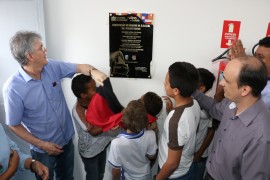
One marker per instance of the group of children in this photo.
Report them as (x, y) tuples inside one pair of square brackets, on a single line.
[(182, 147)]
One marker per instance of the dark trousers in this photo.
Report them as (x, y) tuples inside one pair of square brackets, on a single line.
[(208, 177), (62, 165), (199, 168), (187, 176), (95, 166)]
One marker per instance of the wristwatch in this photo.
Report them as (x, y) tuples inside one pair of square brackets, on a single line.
[(11, 152), (33, 161)]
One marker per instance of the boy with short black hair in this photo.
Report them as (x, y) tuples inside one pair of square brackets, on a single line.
[(133, 150), (177, 142), (205, 130)]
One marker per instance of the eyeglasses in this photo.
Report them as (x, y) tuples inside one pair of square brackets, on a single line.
[(42, 48), (253, 49)]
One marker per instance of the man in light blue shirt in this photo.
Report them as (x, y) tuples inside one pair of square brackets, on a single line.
[(12, 159), (263, 52), (35, 105)]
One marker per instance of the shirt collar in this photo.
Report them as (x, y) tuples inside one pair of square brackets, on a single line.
[(251, 113), (25, 76), (131, 136), (185, 105)]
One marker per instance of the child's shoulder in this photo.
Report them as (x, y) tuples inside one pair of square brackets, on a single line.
[(149, 132)]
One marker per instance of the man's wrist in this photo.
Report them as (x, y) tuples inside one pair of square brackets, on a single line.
[(91, 69), (11, 153), (32, 165)]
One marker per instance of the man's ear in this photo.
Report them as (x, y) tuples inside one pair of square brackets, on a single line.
[(29, 57), (246, 90), (201, 88)]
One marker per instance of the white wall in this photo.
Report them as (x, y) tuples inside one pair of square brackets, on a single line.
[(78, 31)]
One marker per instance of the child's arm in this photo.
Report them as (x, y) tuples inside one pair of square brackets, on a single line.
[(169, 104), (103, 105), (116, 173), (79, 116), (152, 126), (173, 160), (93, 130), (152, 157), (114, 159), (107, 92), (207, 140), (219, 95)]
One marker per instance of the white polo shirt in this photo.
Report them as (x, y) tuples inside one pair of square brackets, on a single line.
[(204, 123), (128, 152), (180, 130)]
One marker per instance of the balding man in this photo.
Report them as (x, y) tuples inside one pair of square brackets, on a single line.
[(242, 143)]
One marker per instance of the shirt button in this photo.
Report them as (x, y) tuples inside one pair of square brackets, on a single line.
[(225, 129), (219, 140), (209, 161)]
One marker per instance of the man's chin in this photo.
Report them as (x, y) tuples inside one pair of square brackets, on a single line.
[(227, 97)]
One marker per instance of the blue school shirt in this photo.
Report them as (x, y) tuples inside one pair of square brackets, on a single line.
[(40, 105), (5, 148)]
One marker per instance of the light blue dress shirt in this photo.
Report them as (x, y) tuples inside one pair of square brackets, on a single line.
[(266, 94), (6, 145), (40, 105)]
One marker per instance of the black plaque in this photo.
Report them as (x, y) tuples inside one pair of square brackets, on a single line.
[(131, 44)]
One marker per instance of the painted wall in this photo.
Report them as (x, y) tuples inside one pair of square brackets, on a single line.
[(78, 31)]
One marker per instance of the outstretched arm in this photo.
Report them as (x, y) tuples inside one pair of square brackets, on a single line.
[(87, 69), (107, 92)]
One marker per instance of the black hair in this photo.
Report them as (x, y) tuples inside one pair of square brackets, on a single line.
[(79, 84), (206, 78), (265, 42), (152, 103), (183, 76), (253, 74)]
